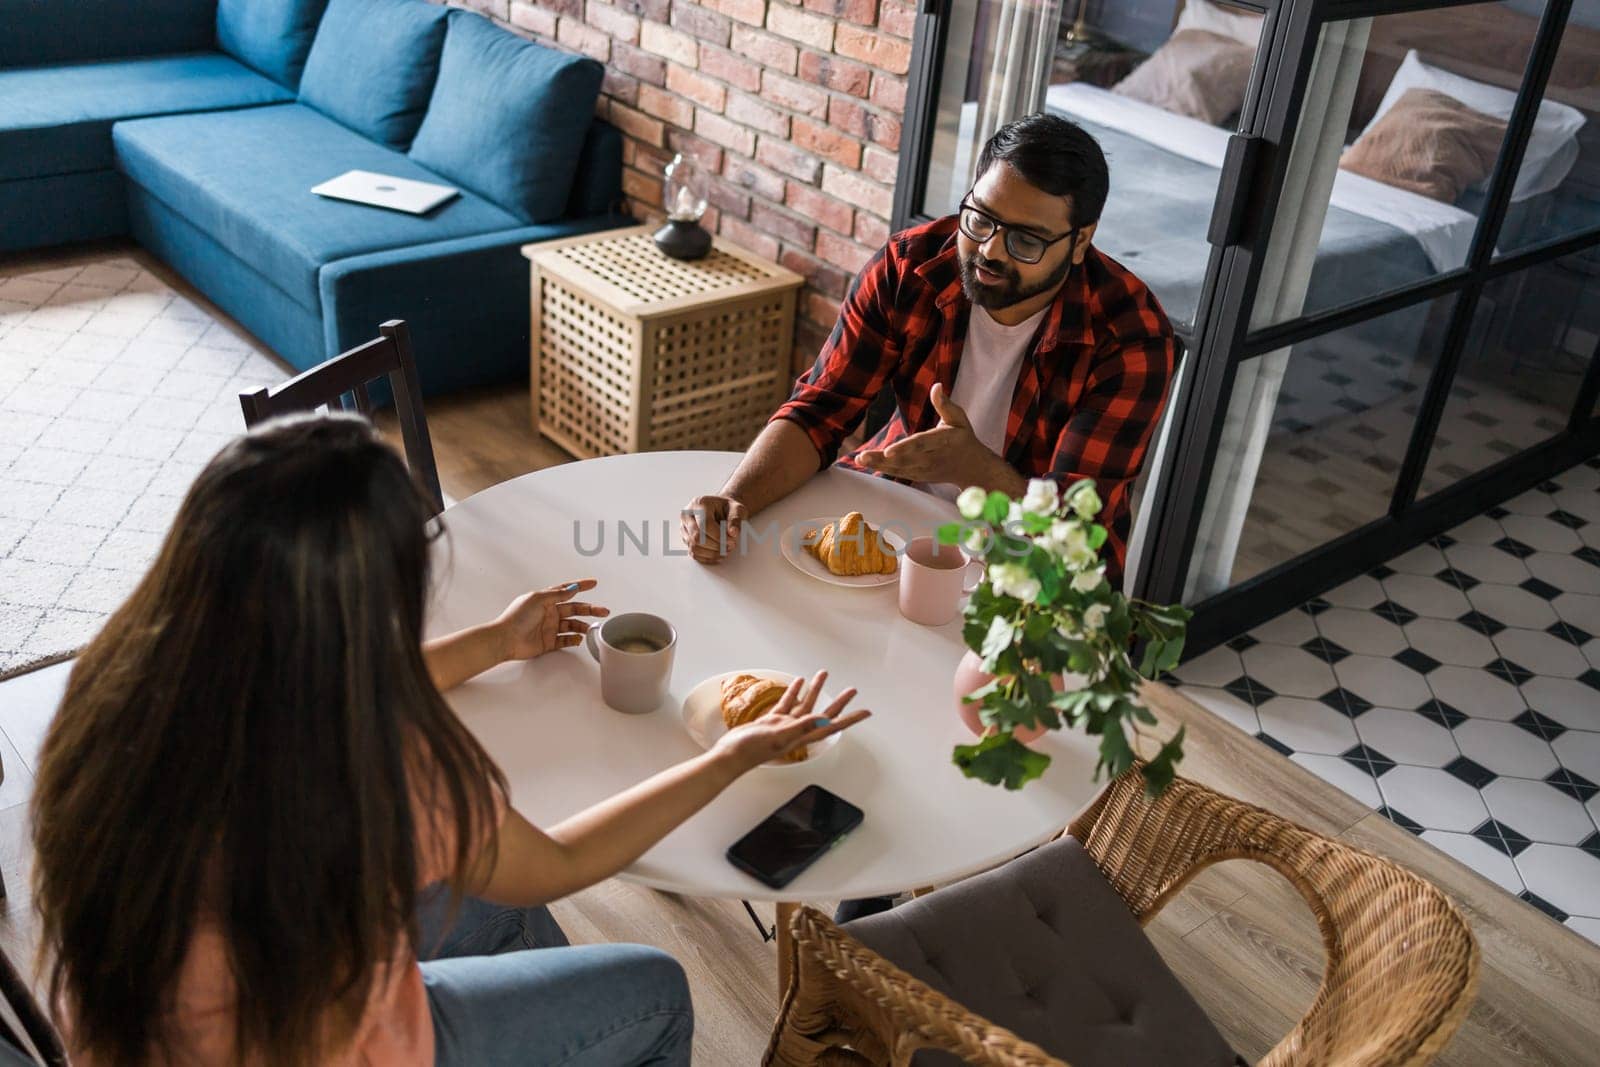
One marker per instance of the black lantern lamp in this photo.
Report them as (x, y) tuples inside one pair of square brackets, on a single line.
[(683, 237)]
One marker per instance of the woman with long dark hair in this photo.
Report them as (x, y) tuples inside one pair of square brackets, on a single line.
[(253, 779)]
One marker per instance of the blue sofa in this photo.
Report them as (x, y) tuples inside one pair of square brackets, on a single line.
[(200, 126)]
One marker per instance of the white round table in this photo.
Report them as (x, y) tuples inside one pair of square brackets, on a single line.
[(563, 749)]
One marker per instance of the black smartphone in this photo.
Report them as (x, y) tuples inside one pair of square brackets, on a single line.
[(793, 837)]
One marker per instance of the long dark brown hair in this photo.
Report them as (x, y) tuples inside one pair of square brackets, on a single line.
[(242, 742)]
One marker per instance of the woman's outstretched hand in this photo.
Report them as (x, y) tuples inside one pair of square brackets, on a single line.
[(793, 722), (547, 619)]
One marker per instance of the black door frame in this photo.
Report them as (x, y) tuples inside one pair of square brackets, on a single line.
[(1248, 196)]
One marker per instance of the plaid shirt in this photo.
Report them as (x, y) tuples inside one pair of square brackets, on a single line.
[(1086, 401)]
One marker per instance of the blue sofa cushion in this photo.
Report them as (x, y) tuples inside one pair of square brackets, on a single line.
[(508, 118), (272, 36), (57, 120), (34, 33), (373, 65), (244, 179)]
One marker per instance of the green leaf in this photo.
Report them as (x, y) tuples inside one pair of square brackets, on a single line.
[(995, 508), (1152, 655), (1116, 756), (983, 691), (949, 533), (998, 639), (1036, 524), (1097, 536), (1000, 759), (1160, 771), (1171, 652), (1049, 587)]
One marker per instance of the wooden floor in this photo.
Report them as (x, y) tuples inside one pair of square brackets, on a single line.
[(1239, 937)]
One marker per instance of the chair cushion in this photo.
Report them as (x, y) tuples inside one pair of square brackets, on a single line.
[(373, 65), (1045, 947), (36, 32), (244, 179), (508, 118), (57, 120), (272, 36)]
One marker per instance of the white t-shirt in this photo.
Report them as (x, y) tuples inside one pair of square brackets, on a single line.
[(987, 378)]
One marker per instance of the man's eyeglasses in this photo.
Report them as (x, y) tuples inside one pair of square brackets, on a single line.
[(1024, 246)]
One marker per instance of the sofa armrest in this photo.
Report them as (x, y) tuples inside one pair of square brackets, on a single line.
[(597, 183), (465, 300)]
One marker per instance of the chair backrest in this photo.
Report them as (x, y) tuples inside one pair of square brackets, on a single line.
[(328, 384), (26, 1036)]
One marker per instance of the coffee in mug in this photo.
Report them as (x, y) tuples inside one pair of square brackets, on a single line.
[(635, 653)]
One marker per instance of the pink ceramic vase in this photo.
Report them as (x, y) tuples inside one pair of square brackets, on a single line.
[(969, 676)]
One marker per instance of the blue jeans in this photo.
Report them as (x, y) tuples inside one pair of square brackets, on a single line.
[(496, 1003)]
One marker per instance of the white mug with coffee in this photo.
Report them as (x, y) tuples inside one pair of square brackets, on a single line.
[(635, 652), (933, 579)]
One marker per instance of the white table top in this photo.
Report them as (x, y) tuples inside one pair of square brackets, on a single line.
[(562, 749)]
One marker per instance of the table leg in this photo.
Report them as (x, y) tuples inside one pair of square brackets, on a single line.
[(785, 912)]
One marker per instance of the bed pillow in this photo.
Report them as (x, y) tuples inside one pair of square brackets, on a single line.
[(1429, 143), (1552, 147), (1242, 26), (1196, 73)]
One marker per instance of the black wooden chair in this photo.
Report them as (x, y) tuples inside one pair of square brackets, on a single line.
[(26, 1036), (347, 374)]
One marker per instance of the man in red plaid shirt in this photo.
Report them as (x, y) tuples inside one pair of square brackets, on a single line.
[(1013, 347)]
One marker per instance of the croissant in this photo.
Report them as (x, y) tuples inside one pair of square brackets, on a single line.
[(745, 698), (851, 546)]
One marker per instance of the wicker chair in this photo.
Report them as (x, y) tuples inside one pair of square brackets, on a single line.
[(1401, 970)]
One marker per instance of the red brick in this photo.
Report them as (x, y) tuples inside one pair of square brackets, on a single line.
[(739, 73), (498, 9), (620, 86), (820, 309), (586, 39), (747, 111), (701, 22), (748, 238), (697, 87), (871, 230), (823, 277), (856, 120), (827, 143), (569, 8), (840, 75), (889, 93), (670, 44), (874, 49), (630, 150), (853, 188), (642, 65), (533, 18), (671, 109), (786, 159), (897, 18), (642, 186), (862, 11), (763, 183), (765, 49), (619, 25), (808, 341), (753, 12), (652, 10), (880, 166), (711, 219), (798, 25), (784, 225), (636, 123), (729, 135), (651, 160), (842, 252), (729, 199), (795, 95), (705, 154), (834, 214)]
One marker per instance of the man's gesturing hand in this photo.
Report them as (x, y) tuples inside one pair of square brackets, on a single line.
[(950, 452), (711, 526)]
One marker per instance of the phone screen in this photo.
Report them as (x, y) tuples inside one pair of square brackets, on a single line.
[(791, 838)]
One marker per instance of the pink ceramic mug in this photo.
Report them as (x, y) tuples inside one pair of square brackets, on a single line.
[(933, 579)]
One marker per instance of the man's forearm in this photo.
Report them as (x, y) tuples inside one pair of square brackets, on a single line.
[(1000, 476), (778, 462)]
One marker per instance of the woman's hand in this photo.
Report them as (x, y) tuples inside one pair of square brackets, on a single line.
[(793, 722), (546, 619)]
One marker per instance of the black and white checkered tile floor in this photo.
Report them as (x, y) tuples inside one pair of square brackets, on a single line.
[(1455, 689)]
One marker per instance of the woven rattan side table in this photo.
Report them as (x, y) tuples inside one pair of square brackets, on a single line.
[(632, 351)]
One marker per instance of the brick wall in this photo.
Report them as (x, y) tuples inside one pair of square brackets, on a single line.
[(791, 109)]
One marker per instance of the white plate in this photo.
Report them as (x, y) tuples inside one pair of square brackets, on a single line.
[(702, 717), (810, 565)]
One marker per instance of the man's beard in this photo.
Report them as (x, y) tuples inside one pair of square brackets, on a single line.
[(1010, 290)]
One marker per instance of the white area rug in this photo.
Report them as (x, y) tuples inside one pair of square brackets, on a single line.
[(114, 391)]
